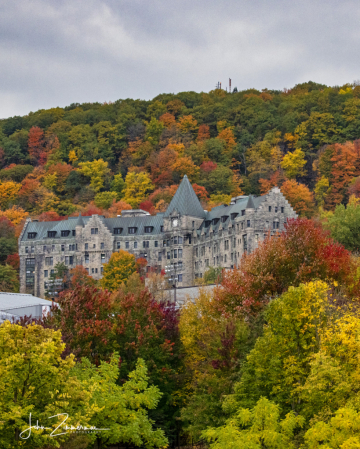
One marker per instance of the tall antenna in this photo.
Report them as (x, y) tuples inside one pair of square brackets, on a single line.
[(220, 85), (230, 85)]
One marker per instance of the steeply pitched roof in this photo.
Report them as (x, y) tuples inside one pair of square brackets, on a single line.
[(250, 203), (185, 201)]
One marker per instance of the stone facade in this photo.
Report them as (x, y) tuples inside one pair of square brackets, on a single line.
[(184, 240)]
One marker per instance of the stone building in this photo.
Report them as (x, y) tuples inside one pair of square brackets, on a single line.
[(184, 240)]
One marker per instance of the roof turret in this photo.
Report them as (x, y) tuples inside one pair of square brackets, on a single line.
[(185, 201)]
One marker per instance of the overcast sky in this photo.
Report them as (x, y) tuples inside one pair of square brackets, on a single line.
[(57, 52)]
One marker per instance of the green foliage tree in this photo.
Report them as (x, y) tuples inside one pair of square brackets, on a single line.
[(258, 428), (105, 199), (9, 280)]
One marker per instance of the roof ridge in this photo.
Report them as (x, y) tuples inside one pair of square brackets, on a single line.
[(185, 201)]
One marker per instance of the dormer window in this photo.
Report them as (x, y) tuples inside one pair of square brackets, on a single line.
[(148, 229), (243, 212), (234, 215), (65, 233), (118, 230), (207, 223), (215, 221), (161, 228), (132, 230), (224, 218), (94, 230), (51, 234), (32, 235)]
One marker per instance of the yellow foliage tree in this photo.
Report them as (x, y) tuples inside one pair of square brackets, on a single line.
[(137, 185), (187, 123), (8, 193), (72, 156), (118, 270), (96, 171), (322, 188), (293, 164), (15, 214)]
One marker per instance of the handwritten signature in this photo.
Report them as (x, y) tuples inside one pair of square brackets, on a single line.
[(62, 427)]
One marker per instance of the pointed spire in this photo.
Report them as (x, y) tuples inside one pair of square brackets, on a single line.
[(185, 201), (79, 221), (250, 203)]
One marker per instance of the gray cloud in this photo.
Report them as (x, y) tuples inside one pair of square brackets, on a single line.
[(53, 53)]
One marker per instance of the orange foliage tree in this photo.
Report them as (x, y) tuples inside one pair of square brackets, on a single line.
[(160, 167), (116, 208), (36, 145), (201, 192), (203, 133), (300, 197), (345, 166), (168, 120), (185, 166)]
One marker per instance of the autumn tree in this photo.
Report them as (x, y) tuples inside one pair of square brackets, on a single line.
[(96, 171), (36, 145), (137, 186), (301, 253), (293, 163), (300, 197), (118, 270), (8, 193)]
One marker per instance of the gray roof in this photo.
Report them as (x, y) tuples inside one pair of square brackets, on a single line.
[(10, 301), (185, 201)]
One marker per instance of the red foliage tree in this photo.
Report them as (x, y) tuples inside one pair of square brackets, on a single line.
[(301, 253), (160, 167), (13, 260), (140, 265), (51, 216), (36, 145), (79, 276), (91, 209), (148, 206), (84, 316), (7, 229), (208, 166)]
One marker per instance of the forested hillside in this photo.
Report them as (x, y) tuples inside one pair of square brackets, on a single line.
[(106, 157)]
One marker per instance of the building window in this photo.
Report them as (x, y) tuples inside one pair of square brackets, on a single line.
[(243, 212), (168, 255), (276, 209), (86, 246), (118, 230), (180, 240), (175, 253), (148, 229), (51, 234), (127, 244), (92, 270), (156, 244), (161, 228), (135, 244), (65, 233), (159, 256), (87, 258), (248, 223), (225, 258), (179, 277), (32, 249), (164, 242), (275, 225), (52, 247), (269, 208), (101, 270), (94, 230), (26, 249), (51, 272), (31, 235), (132, 230), (193, 224), (102, 245), (118, 245), (244, 242), (44, 247), (30, 261), (146, 244), (180, 253), (48, 260), (175, 240), (74, 232), (94, 246), (102, 258), (69, 260), (62, 247), (226, 244), (282, 210), (46, 273)]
